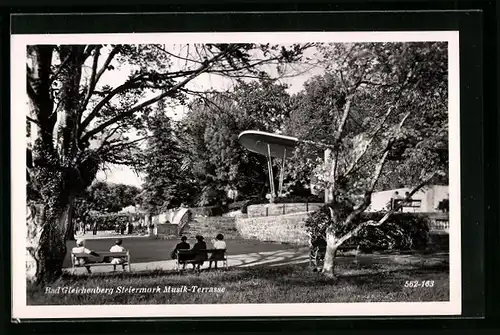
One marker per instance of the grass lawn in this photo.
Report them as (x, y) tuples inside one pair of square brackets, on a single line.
[(143, 249), (381, 282)]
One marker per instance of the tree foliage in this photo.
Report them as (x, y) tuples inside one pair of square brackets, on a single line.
[(166, 183), (210, 134), (359, 103), (108, 197), (382, 112)]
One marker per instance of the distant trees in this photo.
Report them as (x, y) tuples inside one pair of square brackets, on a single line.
[(167, 184), (209, 134), (101, 197), (108, 197)]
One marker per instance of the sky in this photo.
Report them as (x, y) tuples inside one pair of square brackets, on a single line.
[(125, 175)]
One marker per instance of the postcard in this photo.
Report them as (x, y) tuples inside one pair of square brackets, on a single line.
[(235, 174)]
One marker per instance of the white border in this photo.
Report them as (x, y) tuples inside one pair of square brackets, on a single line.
[(20, 310)]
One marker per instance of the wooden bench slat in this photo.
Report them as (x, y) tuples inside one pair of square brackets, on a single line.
[(125, 255), (98, 264), (221, 257)]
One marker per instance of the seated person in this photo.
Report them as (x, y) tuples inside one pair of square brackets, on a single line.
[(199, 251), (218, 244), (80, 249), (118, 260), (183, 245)]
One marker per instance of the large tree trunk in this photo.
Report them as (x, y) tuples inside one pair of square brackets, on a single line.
[(56, 171), (331, 253), (70, 230), (45, 242)]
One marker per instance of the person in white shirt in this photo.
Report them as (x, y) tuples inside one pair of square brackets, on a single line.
[(80, 249), (118, 260), (218, 244)]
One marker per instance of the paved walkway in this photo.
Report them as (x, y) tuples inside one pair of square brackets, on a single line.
[(279, 258)]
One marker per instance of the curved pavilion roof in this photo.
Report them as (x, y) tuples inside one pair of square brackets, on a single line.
[(258, 141)]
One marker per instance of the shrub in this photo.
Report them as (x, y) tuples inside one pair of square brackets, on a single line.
[(237, 205), (209, 211), (402, 231), (255, 201)]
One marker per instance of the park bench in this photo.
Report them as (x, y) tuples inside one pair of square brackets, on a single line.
[(104, 259), (189, 257), (317, 255)]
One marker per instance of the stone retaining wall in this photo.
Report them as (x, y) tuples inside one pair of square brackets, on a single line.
[(208, 227), (288, 228), (167, 230)]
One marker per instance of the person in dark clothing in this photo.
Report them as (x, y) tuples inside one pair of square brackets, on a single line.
[(408, 199), (183, 245), (199, 251), (397, 202)]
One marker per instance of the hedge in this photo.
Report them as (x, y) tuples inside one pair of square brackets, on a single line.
[(257, 201), (208, 211), (109, 221), (291, 199), (402, 231)]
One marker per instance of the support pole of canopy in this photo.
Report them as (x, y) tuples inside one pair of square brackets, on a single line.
[(270, 168), (282, 172)]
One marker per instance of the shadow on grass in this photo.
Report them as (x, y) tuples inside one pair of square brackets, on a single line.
[(280, 257), (259, 284), (301, 256), (346, 271)]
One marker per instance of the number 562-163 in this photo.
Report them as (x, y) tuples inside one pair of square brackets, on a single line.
[(419, 283)]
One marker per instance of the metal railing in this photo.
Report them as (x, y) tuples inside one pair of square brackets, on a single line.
[(440, 225)]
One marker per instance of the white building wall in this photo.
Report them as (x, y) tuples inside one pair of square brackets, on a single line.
[(430, 198), (439, 193), (162, 218)]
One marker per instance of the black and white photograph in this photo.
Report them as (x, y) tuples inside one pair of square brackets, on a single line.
[(235, 174)]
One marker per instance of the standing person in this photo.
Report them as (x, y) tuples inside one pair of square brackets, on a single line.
[(80, 249), (408, 201), (218, 244), (396, 202), (118, 260), (317, 252), (199, 251)]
